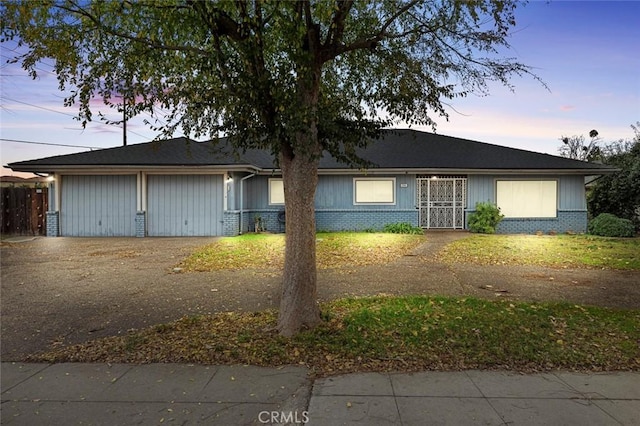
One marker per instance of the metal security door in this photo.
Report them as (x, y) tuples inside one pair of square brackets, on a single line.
[(442, 201)]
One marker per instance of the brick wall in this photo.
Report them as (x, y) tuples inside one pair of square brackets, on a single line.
[(359, 220), (53, 224), (231, 222), (566, 221), (326, 220), (141, 229), (269, 220)]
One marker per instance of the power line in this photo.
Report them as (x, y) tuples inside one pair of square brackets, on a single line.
[(63, 113), (38, 106), (49, 143)]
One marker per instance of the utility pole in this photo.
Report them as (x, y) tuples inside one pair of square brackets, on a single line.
[(124, 120)]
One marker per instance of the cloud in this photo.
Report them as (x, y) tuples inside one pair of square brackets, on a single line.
[(567, 107)]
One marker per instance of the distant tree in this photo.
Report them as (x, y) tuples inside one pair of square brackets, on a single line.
[(297, 78), (577, 148), (619, 193), (619, 147)]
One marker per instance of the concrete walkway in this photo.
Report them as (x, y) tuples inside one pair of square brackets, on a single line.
[(123, 394)]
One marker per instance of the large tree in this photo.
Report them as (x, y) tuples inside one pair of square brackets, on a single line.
[(619, 193), (299, 78)]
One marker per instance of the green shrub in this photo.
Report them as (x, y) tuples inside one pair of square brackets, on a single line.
[(402, 228), (485, 219), (608, 225)]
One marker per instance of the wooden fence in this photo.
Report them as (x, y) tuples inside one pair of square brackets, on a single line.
[(23, 211)]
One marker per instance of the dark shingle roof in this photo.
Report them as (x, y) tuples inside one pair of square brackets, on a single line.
[(396, 149), (171, 152), (415, 150)]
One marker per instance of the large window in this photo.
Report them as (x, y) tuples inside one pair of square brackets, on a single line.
[(276, 191), (374, 191), (527, 198)]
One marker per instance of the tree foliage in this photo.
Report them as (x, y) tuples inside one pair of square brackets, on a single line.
[(296, 78), (238, 68), (619, 193), (578, 148)]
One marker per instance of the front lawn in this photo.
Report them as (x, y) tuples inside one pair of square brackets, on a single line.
[(334, 250), (571, 251), (390, 334)]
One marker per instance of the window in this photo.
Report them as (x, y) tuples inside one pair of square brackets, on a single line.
[(374, 191), (527, 198), (276, 191)]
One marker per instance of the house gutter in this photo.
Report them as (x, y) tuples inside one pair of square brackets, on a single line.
[(242, 198), (456, 171)]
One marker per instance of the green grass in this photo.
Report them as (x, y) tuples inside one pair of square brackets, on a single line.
[(475, 332), (339, 249), (244, 251), (391, 333), (556, 251)]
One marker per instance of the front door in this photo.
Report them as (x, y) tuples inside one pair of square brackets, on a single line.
[(442, 201)]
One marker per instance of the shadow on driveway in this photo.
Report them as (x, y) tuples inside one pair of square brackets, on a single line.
[(70, 290)]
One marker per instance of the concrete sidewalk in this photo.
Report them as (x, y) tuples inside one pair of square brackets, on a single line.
[(124, 394), (477, 398), (152, 394)]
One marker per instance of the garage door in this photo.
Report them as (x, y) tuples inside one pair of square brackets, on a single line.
[(98, 206), (184, 205)]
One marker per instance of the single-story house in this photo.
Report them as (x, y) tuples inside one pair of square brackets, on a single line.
[(180, 187)]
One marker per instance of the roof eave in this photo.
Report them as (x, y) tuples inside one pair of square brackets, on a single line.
[(250, 168), (458, 171), (130, 169)]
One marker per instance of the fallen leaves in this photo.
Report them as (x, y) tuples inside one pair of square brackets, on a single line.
[(333, 250), (560, 251), (388, 333)]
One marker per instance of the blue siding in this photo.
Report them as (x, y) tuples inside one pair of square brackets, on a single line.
[(572, 208), (571, 193), (333, 192), (335, 208), (336, 211), (98, 206), (336, 192), (480, 189), (256, 192), (53, 189)]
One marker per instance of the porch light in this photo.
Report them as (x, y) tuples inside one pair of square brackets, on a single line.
[(50, 178)]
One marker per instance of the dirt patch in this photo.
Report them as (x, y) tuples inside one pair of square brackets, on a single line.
[(58, 291)]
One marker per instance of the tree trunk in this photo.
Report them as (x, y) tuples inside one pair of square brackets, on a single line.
[(299, 164), (299, 305)]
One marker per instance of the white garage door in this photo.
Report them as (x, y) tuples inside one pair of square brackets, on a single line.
[(98, 206), (184, 205)]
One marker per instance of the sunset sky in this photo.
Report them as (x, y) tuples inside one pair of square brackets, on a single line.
[(587, 52)]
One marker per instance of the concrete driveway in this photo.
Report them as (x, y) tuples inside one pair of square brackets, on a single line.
[(69, 290)]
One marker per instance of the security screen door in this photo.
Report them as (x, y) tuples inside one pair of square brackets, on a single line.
[(442, 201)]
